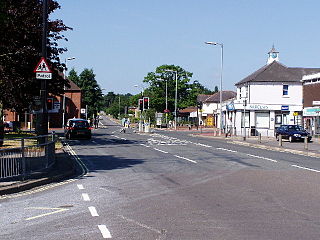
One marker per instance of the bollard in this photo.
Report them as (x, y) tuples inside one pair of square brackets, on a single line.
[(306, 143), (259, 137), (280, 140)]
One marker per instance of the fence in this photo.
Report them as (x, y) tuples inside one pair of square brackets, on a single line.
[(24, 156)]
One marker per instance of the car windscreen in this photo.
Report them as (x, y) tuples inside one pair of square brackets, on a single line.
[(79, 124), (295, 128)]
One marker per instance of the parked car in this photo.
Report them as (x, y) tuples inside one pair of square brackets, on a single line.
[(292, 133), (77, 128)]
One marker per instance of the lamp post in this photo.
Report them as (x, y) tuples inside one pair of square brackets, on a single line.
[(64, 91), (175, 98), (221, 45)]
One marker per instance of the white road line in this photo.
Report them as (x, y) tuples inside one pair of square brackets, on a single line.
[(80, 186), (123, 138), (113, 135), (203, 145), (104, 231), (144, 145), (228, 150), (85, 197), (185, 159), (116, 136), (159, 150), (309, 169), (93, 212), (255, 156)]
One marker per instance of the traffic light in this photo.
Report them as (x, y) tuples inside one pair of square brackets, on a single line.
[(145, 103), (49, 103), (140, 104), (199, 105)]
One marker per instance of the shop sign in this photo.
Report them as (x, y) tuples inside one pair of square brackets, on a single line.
[(311, 112), (284, 108), (258, 107)]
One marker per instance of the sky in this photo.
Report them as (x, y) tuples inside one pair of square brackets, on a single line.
[(123, 40)]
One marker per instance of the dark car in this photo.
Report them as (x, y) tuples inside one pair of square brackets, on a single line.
[(292, 133), (77, 128)]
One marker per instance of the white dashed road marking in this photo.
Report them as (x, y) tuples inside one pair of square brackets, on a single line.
[(80, 186), (185, 159), (255, 156), (159, 150), (93, 212), (85, 197), (228, 150), (309, 169), (104, 231)]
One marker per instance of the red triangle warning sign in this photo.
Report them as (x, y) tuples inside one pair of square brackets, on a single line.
[(42, 66)]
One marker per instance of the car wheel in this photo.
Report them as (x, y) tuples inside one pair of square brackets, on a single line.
[(290, 139)]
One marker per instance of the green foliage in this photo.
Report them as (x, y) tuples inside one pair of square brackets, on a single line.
[(91, 91), (186, 92), (115, 104), (20, 49)]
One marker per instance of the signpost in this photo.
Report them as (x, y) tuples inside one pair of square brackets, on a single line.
[(42, 70), (44, 73)]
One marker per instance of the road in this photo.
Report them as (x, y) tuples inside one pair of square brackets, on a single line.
[(170, 185)]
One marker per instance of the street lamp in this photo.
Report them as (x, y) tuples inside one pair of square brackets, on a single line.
[(221, 45), (64, 92), (175, 99)]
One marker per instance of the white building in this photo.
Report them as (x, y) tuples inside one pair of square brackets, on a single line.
[(269, 97), (210, 112)]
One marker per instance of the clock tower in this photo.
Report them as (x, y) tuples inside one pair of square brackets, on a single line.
[(273, 55)]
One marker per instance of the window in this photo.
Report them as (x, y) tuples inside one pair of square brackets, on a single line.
[(262, 120), (285, 90)]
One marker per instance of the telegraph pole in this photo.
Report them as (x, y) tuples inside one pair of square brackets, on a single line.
[(42, 117)]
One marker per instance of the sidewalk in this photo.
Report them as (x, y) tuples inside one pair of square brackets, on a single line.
[(313, 148), (63, 168)]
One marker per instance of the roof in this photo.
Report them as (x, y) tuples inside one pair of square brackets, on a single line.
[(215, 98), (73, 86), (188, 110), (277, 72)]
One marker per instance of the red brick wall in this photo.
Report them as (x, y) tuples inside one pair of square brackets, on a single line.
[(311, 92)]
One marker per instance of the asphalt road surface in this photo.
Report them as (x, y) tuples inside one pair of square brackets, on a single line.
[(170, 185)]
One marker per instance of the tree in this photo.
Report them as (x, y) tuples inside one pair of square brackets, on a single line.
[(20, 49), (187, 92), (117, 103), (91, 91)]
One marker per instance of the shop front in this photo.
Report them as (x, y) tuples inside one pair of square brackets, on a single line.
[(311, 117), (254, 119)]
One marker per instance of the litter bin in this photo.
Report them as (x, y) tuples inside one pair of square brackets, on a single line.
[(253, 131)]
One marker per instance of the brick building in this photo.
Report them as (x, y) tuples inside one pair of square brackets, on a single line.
[(55, 109)]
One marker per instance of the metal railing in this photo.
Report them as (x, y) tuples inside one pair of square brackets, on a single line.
[(24, 156)]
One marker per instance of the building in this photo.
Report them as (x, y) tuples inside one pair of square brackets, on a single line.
[(55, 110), (210, 112), (269, 97), (311, 103)]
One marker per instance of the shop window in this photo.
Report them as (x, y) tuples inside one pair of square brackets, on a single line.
[(262, 120), (278, 119)]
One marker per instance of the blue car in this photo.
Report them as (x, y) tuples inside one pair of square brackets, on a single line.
[(292, 133)]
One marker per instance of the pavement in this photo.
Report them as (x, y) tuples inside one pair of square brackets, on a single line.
[(66, 167), (63, 168)]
